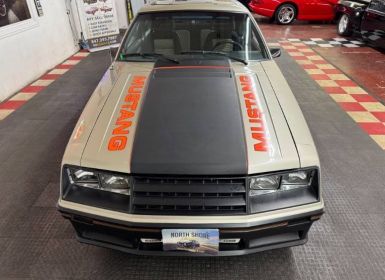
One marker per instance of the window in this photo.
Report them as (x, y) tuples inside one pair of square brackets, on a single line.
[(180, 33), (377, 5)]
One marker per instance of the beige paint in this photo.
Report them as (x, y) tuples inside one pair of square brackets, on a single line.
[(257, 219), (96, 153), (290, 140)]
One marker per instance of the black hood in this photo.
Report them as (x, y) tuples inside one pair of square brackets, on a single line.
[(191, 122)]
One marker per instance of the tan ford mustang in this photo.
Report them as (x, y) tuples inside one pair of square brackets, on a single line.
[(192, 143)]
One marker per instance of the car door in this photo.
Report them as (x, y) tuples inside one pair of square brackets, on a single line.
[(316, 9), (373, 23)]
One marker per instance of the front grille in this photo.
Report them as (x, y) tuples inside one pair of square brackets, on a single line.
[(189, 196)]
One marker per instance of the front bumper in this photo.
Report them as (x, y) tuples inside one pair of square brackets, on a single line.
[(289, 230)]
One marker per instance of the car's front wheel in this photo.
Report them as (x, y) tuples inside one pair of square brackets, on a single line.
[(285, 14), (344, 26)]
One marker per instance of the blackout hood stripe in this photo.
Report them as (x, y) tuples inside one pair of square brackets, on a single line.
[(190, 124)]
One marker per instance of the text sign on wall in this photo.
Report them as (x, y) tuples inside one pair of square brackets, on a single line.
[(39, 8), (99, 23)]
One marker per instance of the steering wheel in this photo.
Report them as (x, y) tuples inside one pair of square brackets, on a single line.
[(227, 41)]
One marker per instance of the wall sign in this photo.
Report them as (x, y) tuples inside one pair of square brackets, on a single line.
[(39, 8), (99, 23)]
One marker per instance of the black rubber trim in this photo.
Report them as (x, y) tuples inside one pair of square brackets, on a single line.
[(127, 239), (188, 254)]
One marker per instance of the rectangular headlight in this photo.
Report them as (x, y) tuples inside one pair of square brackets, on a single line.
[(116, 184), (87, 178), (283, 189), (260, 185), (295, 180), (264, 185), (83, 178)]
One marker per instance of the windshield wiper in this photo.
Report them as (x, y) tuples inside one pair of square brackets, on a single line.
[(150, 55), (217, 53)]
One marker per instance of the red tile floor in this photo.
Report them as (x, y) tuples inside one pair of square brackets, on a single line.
[(354, 77)]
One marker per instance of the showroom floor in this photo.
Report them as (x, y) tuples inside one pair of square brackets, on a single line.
[(348, 242)]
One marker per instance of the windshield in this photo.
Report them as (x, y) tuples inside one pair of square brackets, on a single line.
[(173, 34)]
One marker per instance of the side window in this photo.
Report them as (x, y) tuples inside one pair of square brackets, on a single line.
[(377, 5)]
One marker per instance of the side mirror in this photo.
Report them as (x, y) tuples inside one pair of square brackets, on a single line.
[(275, 52)]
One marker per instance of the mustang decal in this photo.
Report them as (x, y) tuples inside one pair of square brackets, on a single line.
[(118, 140), (254, 114)]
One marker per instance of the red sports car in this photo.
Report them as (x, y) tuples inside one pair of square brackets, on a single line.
[(285, 12)]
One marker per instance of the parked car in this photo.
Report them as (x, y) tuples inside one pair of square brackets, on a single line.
[(92, 10), (89, 2), (193, 127), (105, 9), (286, 11), (366, 18), (188, 244)]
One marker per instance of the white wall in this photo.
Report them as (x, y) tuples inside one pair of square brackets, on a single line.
[(122, 13), (137, 4), (122, 10), (28, 54)]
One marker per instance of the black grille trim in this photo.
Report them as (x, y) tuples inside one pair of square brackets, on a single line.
[(189, 196)]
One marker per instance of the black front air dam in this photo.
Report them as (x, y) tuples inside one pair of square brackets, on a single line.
[(253, 239)]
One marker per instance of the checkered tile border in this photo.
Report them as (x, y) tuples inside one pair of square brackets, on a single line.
[(365, 110), (329, 43), (9, 106), (374, 34)]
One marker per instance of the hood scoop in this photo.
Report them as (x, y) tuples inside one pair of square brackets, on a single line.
[(193, 68)]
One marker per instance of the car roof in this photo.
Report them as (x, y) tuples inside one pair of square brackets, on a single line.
[(194, 5)]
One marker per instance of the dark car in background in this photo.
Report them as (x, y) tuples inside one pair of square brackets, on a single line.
[(366, 18)]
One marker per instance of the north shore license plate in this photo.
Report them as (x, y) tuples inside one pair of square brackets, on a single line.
[(200, 241)]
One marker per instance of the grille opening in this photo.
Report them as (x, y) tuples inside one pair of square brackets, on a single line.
[(184, 196)]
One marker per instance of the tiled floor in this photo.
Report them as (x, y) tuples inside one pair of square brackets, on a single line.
[(329, 43), (7, 107), (364, 109), (348, 242)]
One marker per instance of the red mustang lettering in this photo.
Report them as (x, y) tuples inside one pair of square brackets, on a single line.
[(118, 140), (257, 129)]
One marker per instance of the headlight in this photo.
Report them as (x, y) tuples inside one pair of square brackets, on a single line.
[(283, 182), (116, 184), (83, 178), (263, 185), (99, 180), (283, 190)]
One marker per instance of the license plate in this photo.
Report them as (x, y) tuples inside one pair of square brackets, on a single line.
[(200, 241)]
